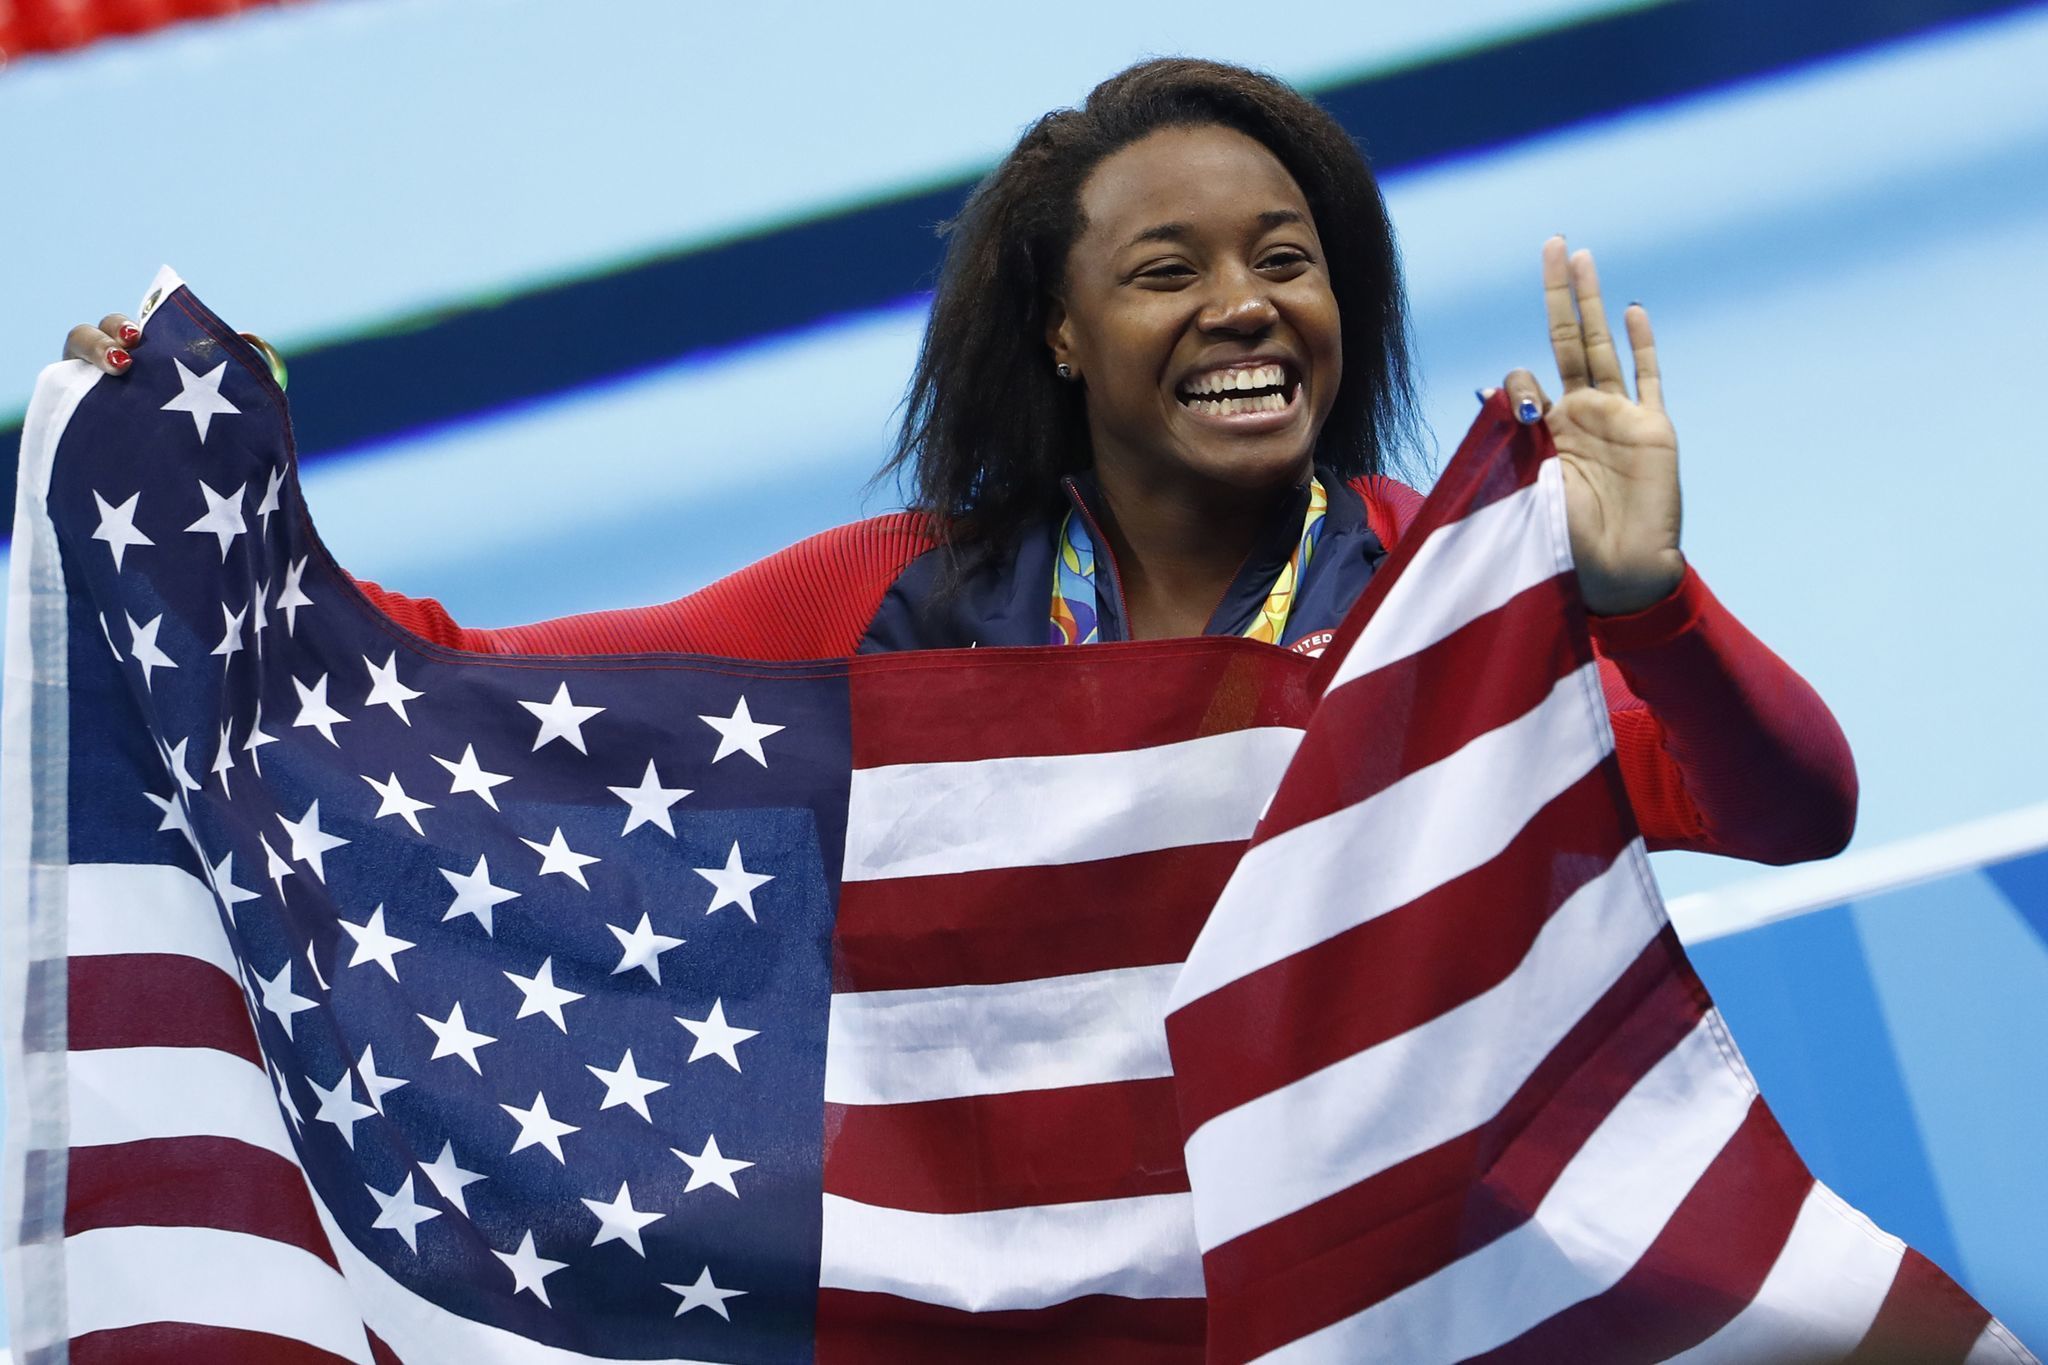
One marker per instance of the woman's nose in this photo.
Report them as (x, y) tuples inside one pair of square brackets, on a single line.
[(1238, 309)]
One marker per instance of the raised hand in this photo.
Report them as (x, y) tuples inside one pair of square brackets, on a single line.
[(1619, 454)]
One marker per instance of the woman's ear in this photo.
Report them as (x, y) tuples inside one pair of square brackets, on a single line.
[(1058, 337)]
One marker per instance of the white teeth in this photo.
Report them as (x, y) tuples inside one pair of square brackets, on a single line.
[(1226, 381), (1230, 407)]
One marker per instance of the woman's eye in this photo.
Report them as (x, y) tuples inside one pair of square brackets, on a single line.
[(1282, 260), (1170, 271)]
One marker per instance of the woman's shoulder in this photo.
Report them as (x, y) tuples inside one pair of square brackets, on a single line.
[(1390, 505)]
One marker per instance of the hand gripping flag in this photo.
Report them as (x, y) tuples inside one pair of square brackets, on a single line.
[(373, 1001)]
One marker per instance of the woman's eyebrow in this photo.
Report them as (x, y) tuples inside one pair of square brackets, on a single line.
[(1180, 232)]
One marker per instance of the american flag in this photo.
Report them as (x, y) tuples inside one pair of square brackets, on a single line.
[(371, 1001)]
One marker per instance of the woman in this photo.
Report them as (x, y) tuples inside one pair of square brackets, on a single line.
[(1165, 372)]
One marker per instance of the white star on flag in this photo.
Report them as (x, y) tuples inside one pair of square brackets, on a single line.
[(400, 1212), (469, 776), (474, 894), (142, 647), (453, 1037), (224, 885), (231, 632), (373, 944), (314, 710), (260, 620), (199, 395), (561, 718), (275, 868), (740, 733), (309, 841), (711, 1167), (223, 517), (449, 1177), (625, 1085), (375, 1086), (174, 763), (715, 1037), (339, 1105), (542, 995), (556, 856), (223, 758), (117, 528), (733, 883), (529, 1269), (256, 740), (386, 689), (269, 503), (704, 1294), (641, 947), (394, 801), (538, 1128), (281, 1000), (175, 819), (619, 1221), (648, 803), (293, 597)]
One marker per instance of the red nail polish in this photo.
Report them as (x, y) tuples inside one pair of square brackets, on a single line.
[(118, 358), (130, 333)]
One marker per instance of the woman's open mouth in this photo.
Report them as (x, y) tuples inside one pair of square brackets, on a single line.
[(1242, 398)]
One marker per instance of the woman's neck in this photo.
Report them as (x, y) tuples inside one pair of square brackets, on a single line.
[(1178, 547)]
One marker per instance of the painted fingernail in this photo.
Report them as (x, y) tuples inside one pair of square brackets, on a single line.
[(130, 333), (117, 357), (1483, 395), (1526, 411)]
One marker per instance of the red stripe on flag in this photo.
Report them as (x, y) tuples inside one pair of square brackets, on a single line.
[(381, 1353), (881, 1329), (1492, 914), (1926, 1319), (157, 1000), (199, 1182), (944, 707), (184, 1343), (1027, 923), (1477, 476), (982, 1152), (1702, 1269), (1347, 1252), (1424, 708)]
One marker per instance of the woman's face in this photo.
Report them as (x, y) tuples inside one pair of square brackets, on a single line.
[(1198, 313)]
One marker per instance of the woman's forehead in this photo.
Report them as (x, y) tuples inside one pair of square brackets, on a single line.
[(1180, 182)]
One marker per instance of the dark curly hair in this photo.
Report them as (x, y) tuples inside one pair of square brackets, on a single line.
[(989, 431)]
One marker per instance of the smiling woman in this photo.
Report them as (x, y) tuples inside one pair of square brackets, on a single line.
[(1165, 375)]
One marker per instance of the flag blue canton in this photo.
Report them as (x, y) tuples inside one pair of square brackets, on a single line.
[(590, 901)]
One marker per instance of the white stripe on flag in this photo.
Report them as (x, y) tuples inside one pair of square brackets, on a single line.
[(900, 1047), (1434, 824), (1462, 572), (1608, 1205), (144, 908), (919, 819), (1138, 1248), (1379, 1107), (131, 1094), (1821, 1295), (421, 1333), (127, 1276)]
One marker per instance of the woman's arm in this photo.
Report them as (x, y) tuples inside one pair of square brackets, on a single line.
[(1724, 749)]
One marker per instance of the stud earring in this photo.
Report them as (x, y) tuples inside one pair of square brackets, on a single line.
[(1063, 370)]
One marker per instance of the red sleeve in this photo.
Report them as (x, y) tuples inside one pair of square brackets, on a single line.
[(813, 600), (1724, 749)]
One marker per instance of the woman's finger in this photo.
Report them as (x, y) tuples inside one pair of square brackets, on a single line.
[(1649, 382), (1525, 396), (1603, 362), (96, 348), (1566, 341), (123, 331)]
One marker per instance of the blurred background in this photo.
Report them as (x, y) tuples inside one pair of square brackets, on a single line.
[(588, 305)]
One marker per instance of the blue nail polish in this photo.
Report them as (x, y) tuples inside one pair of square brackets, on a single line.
[(1482, 395), (1526, 411)]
